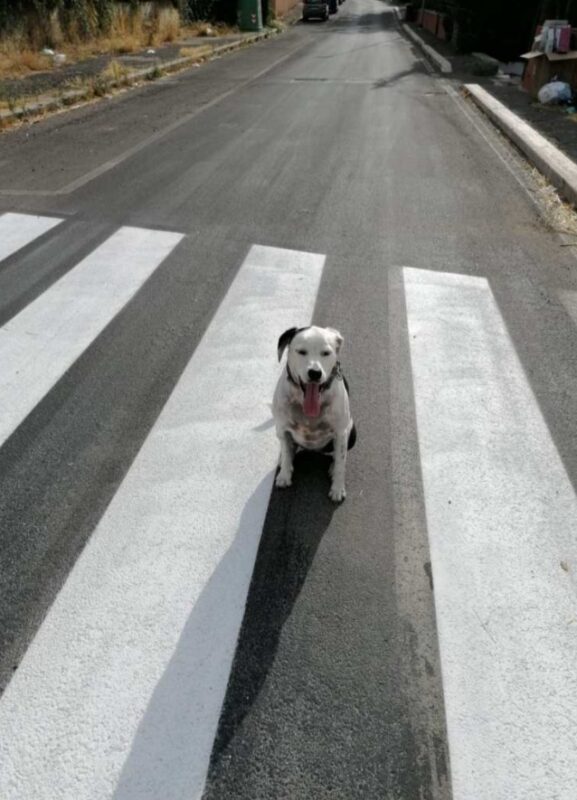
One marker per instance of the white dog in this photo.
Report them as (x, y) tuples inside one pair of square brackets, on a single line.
[(311, 403)]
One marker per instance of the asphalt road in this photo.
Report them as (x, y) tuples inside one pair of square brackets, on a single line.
[(332, 139)]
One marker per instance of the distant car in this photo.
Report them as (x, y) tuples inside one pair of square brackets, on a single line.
[(317, 9)]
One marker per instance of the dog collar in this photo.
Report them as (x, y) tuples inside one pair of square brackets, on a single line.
[(336, 373)]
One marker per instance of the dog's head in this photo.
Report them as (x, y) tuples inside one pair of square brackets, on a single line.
[(313, 353)]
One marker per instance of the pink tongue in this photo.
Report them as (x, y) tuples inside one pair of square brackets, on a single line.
[(312, 403)]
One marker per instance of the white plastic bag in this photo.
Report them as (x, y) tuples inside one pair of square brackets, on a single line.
[(555, 92)]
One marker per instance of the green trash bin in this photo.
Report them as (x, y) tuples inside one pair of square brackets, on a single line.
[(250, 15)]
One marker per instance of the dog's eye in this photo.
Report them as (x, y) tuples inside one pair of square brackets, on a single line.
[(302, 352), (325, 353)]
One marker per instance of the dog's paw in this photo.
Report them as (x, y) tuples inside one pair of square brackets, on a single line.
[(283, 481), (337, 494)]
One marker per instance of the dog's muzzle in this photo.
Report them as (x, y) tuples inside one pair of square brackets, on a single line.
[(312, 391)]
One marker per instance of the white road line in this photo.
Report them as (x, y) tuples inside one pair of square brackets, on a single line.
[(18, 230), (501, 514), (38, 345), (119, 693)]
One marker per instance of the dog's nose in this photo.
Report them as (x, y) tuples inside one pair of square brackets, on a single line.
[(314, 374)]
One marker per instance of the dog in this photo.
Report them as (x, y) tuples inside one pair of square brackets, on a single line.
[(311, 403)]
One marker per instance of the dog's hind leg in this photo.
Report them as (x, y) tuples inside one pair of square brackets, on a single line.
[(285, 475)]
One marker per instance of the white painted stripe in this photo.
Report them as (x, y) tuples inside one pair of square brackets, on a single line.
[(120, 692), (501, 514), (43, 341), (18, 230)]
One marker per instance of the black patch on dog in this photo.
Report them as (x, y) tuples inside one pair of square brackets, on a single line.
[(352, 437), (286, 338)]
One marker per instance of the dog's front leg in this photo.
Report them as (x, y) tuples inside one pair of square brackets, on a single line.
[(285, 475), (338, 492)]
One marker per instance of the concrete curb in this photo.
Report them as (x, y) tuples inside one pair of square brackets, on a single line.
[(439, 61), (53, 102), (559, 168)]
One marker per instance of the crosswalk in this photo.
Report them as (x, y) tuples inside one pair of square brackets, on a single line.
[(45, 339), (119, 694), (136, 610), (18, 230), (501, 515)]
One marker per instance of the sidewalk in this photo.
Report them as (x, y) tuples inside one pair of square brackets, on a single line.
[(558, 128), (69, 84)]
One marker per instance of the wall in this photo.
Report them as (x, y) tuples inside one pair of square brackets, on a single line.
[(281, 7)]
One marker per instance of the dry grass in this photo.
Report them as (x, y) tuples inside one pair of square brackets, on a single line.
[(167, 27), (195, 52), (130, 32), (188, 52), (17, 60), (559, 215), (115, 71)]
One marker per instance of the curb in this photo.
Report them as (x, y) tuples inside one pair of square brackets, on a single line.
[(555, 165), (439, 61), (73, 96)]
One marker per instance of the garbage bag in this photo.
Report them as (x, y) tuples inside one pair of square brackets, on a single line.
[(555, 92)]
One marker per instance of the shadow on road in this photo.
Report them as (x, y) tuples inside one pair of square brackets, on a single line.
[(174, 738), (384, 83), (296, 521)]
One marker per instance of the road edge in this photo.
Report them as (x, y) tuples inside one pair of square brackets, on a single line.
[(555, 165), (437, 60), (71, 98)]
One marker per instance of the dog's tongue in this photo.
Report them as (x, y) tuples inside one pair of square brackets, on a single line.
[(312, 403)]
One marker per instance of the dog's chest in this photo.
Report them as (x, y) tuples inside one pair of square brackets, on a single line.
[(310, 432)]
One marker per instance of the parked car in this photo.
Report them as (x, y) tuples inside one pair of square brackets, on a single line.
[(317, 9)]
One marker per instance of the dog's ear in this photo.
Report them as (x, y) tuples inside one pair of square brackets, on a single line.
[(284, 341), (337, 339)]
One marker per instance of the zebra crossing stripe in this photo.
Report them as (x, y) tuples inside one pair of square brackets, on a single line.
[(501, 515), (39, 344), (18, 230), (120, 692)]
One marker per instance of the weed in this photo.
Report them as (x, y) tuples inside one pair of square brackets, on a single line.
[(154, 74), (199, 52), (115, 72), (10, 98), (98, 86), (167, 27)]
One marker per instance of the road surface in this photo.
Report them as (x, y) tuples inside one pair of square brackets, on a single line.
[(171, 627)]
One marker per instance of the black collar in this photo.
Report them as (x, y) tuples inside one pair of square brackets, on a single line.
[(335, 374)]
